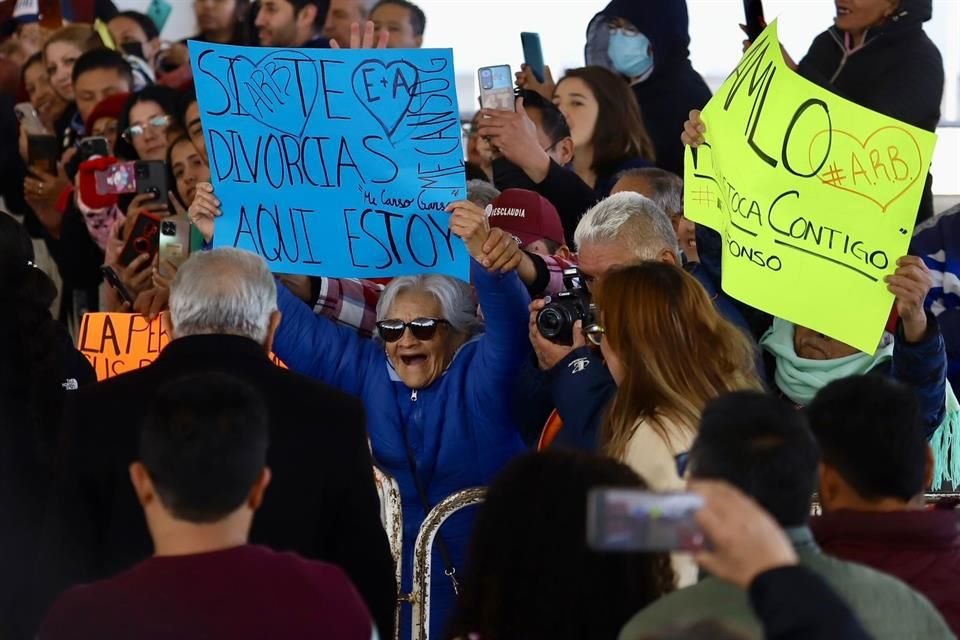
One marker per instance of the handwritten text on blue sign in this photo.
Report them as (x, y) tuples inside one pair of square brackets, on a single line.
[(334, 162)]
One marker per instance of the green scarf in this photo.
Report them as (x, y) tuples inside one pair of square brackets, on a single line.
[(800, 379)]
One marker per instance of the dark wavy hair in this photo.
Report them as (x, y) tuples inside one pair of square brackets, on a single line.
[(165, 97), (620, 132), (32, 368), (529, 572)]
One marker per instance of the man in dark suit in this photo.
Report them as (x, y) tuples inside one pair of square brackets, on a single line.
[(322, 502)]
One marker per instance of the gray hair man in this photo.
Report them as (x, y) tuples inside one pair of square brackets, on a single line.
[(225, 291), (623, 230), (665, 189), (222, 319), (481, 192)]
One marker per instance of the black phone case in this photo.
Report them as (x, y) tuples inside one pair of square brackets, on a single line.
[(753, 13), (145, 238), (151, 177), (112, 279)]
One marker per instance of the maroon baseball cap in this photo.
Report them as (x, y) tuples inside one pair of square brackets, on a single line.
[(526, 215)]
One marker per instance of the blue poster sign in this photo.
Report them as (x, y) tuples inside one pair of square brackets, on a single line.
[(334, 162)]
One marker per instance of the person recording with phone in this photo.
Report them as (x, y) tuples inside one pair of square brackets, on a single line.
[(532, 149), (764, 448), (47, 102)]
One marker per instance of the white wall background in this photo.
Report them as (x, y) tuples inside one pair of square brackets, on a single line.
[(486, 32)]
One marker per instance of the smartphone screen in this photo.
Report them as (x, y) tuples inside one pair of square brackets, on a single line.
[(532, 53), (43, 153), (753, 12), (496, 87), (636, 520)]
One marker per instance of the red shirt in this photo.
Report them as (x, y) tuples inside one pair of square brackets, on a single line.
[(239, 593), (922, 548)]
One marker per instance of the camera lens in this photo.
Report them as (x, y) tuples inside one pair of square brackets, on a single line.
[(551, 323), (168, 229)]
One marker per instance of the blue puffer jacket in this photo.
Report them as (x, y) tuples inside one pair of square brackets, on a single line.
[(460, 428)]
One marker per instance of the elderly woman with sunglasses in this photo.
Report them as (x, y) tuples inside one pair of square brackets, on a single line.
[(436, 381)]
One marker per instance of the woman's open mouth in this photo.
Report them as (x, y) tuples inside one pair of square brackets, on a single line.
[(413, 360)]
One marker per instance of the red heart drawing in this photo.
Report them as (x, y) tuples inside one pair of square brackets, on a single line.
[(881, 168)]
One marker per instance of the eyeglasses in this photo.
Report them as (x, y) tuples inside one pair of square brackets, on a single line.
[(595, 334), (137, 130), (422, 328)]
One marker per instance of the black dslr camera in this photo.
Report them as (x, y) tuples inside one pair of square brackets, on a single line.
[(555, 321)]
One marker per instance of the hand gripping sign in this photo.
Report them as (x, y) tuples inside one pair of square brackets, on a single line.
[(334, 162), (815, 197)]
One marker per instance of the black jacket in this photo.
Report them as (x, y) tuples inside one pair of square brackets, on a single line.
[(321, 503), (897, 72), (674, 87)]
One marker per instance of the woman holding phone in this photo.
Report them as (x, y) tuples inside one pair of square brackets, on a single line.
[(605, 124), (877, 55)]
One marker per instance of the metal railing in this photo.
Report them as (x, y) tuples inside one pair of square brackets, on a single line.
[(419, 597), (391, 515)]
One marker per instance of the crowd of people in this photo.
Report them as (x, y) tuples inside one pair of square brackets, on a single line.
[(213, 493)]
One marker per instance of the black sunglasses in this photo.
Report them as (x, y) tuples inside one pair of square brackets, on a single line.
[(422, 328)]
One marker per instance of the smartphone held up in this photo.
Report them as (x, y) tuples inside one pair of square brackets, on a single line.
[(755, 21), (532, 54), (134, 177), (636, 520), (496, 87)]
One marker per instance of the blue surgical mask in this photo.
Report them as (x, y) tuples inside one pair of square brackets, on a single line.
[(630, 53)]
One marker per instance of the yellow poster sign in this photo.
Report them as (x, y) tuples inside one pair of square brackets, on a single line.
[(815, 197)]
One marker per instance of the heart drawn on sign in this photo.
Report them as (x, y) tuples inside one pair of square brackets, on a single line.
[(386, 90), (881, 168), (280, 90)]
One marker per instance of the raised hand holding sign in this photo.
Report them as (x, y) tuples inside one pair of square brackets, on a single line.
[(815, 197), (334, 162)]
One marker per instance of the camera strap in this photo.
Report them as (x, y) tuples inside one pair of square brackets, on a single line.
[(448, 568)]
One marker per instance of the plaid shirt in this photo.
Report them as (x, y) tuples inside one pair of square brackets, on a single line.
[(350, 301), (353, 302)]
